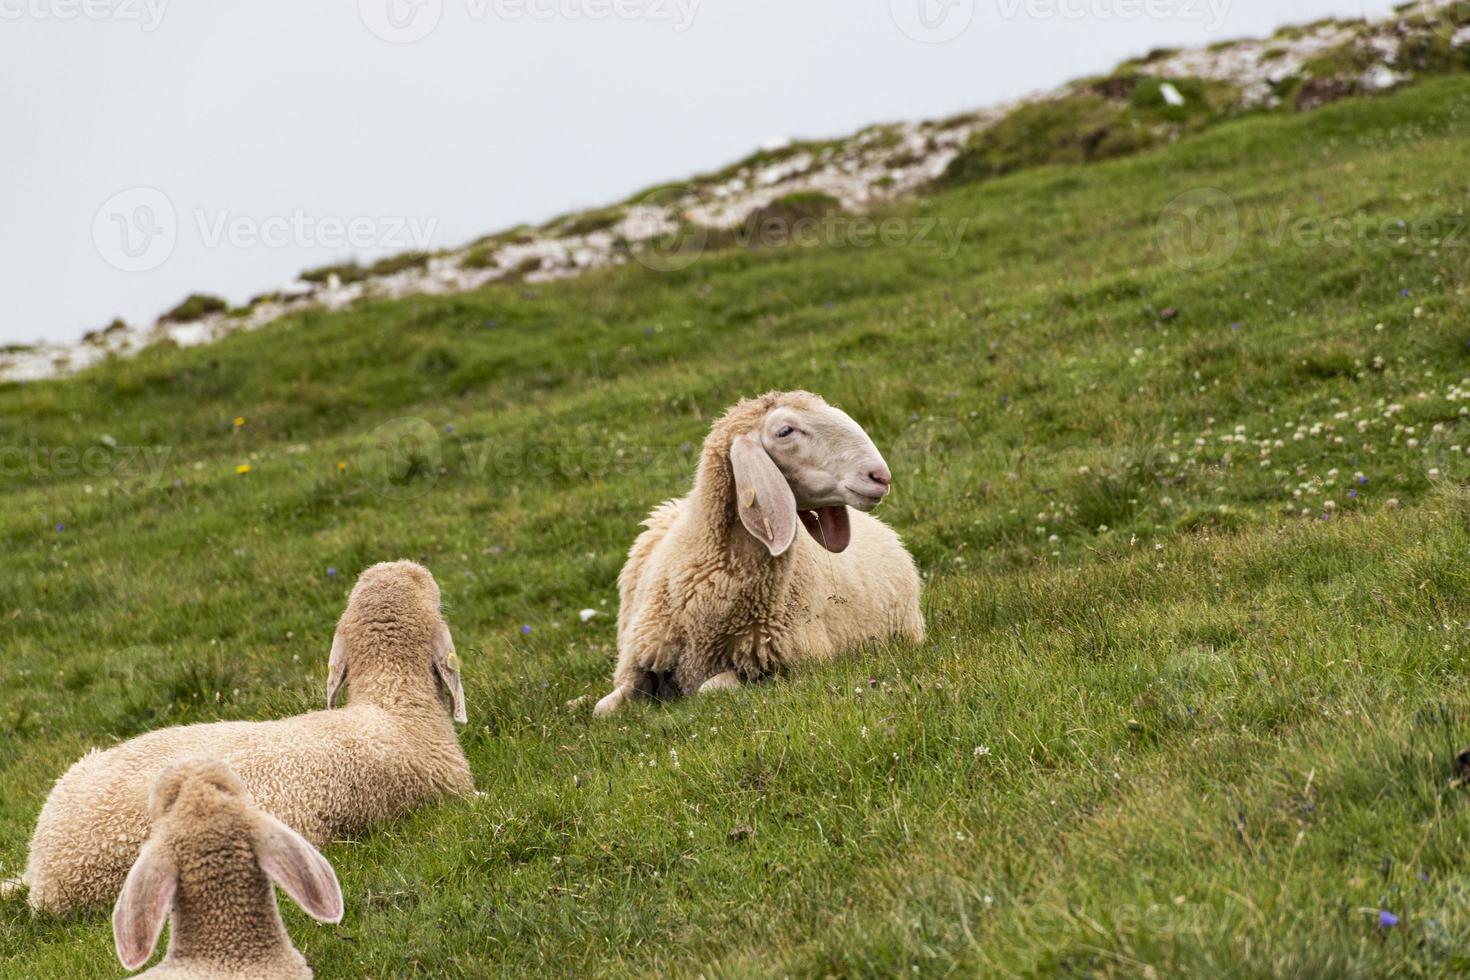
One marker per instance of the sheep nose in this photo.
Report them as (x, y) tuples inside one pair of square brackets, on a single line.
[(881, 476)]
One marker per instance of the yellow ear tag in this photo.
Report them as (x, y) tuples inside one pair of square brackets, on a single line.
[(452, 661)]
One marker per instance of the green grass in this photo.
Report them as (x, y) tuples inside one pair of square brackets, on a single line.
[(1214, 738), (194, 307)]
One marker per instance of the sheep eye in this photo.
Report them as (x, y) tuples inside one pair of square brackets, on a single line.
[(786, 430)]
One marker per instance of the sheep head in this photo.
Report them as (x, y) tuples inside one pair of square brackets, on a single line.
[(398, 600), (203, 821), (800, 459)]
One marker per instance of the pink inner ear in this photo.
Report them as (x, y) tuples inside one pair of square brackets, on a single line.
[(764, 501), (143, 906), (300, 870), (829, 526)]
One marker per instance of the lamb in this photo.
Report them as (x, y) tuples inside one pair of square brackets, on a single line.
[(720, 589), (325, 773), (208, 865)]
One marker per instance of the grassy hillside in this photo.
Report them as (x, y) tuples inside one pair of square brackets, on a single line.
[(1186, 498)]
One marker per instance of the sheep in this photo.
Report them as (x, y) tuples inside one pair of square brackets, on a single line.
[(208, 865), (720, 589), (325, 773)]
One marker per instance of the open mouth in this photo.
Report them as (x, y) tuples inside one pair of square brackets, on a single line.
[(866, 501), (828, 526)]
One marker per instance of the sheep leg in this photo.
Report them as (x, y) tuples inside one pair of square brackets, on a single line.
[(644, 684), (612, 702), (728, 681)]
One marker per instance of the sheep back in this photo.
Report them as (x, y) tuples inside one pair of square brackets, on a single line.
[(324, 774)]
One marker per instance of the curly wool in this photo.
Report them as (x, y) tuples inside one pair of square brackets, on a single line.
[(324, 773), (699, 596)]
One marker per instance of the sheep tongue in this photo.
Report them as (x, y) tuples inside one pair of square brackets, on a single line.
[(829, 526)]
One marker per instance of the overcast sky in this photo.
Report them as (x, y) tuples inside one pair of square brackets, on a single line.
[(247, 141)]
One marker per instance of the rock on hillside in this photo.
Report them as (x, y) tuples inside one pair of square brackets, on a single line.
[(1159, 97)]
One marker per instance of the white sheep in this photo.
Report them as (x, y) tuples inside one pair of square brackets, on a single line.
[(326, 773), (208, 865), (720, 588)]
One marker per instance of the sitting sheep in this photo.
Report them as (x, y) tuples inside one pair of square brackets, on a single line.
[(208, 866), (721, 589), (325, 773)]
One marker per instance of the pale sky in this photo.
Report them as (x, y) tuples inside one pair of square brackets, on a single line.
[(256, 139)]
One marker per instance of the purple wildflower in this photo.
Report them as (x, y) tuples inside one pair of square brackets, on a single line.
[(1386, 919), (1362, 479), (1235, 326), (60, 528), (449, 427), (1352, 495), (526, 629), (331, 572)]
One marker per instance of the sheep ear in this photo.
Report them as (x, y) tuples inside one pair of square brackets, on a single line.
[(763, 497), (298, 868), (446, 667), (336, 669), (143, 905)]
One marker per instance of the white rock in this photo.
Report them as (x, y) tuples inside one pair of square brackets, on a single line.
[(1380, 77), (587, 614), (1171, 94)]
